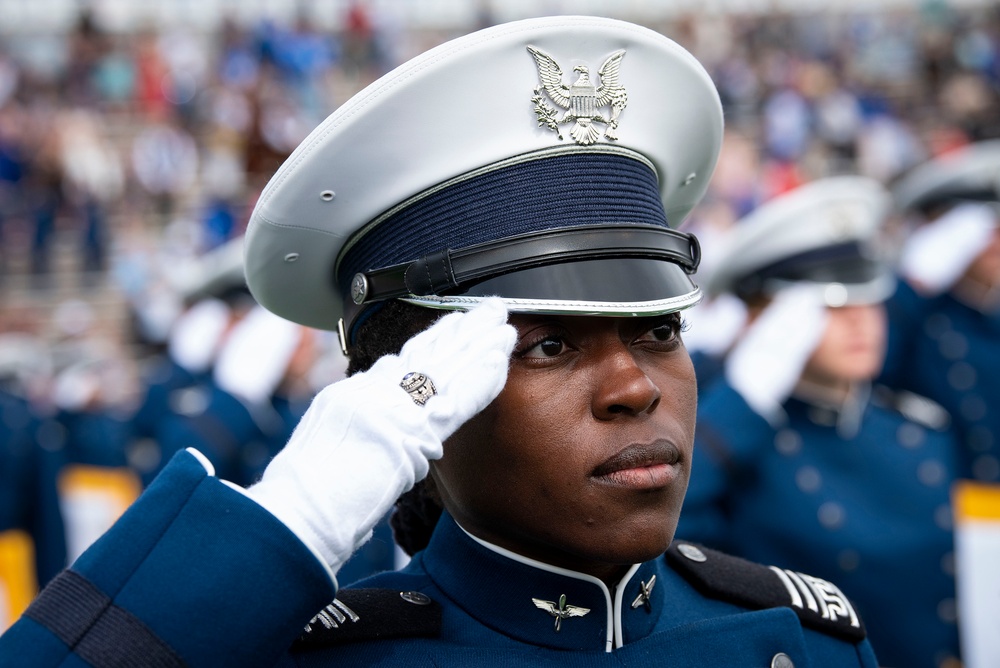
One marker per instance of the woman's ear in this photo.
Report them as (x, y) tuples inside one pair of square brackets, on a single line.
[(430, 486)]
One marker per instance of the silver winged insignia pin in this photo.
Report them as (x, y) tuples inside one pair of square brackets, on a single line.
[(645, 591), (583, 100), (560, 611)]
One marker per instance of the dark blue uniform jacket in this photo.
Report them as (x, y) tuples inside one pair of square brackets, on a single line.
[(196, 574), (948, 351)]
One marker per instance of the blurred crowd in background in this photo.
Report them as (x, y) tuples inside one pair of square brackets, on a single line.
[(130, 161)]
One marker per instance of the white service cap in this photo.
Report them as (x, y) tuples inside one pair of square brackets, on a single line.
[(546, 161)]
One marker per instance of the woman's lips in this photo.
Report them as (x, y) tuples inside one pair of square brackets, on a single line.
[(641, 466)]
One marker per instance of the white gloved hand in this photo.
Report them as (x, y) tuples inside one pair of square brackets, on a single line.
[(936, 254), (364, 440), (254, 358), (765, 365)]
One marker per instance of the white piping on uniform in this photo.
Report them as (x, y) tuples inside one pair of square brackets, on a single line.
[(615, 636), (619, 595), (203, 460)]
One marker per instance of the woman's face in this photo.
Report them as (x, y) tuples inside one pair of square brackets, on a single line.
[(852, 348), (583, 459)]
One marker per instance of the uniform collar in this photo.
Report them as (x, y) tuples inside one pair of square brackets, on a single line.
[(521, 597), (845, 416)]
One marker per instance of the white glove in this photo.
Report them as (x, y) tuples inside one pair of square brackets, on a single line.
[(714, 325), (364, 440), (254, 357), (768, 361), (936, 254), (195, 336)]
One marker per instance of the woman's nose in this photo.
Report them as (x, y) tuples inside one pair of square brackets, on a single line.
[(623, 388)]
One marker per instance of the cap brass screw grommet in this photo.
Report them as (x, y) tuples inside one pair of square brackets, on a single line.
[(691, 552), (359, 288), (415, 597)]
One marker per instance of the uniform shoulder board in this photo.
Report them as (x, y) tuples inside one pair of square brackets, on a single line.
[(372, 614), (819, 604), (914, 407)]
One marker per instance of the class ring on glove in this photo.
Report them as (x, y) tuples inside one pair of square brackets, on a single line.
[(419, 387)]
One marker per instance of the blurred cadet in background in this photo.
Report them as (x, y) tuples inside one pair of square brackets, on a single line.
[(32, 541), (233, 383), (800, 461), (229, 416), (945, 316), (712, 325), (88, 407), (173, 382)]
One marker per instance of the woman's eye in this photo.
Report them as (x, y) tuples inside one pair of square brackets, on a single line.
[(548, 347), (666, 331)]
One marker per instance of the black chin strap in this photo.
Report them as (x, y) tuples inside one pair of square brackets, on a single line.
[(448, 270)]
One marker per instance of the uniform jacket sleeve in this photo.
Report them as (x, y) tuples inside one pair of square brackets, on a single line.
[(906, 311), (193, 574)]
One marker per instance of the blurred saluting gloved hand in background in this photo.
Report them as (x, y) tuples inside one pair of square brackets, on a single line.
[(767, 362)]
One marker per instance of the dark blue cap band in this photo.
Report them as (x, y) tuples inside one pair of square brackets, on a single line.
[(548, 193)]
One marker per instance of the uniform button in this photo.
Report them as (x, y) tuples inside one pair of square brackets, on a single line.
[(144, 455), (831, 515), (947, 611), (788, 442), (808, 479), (962, 376), (986, 467), (910, 435), (931, 472), (948, 564), (848, 560), (943, 517), (415, 597), (782, 660), (51, 436), (953, 345), (190, 401), (691, 552), (973, 408)]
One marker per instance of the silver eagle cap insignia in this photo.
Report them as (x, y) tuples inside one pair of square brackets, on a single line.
[(583, 100)]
